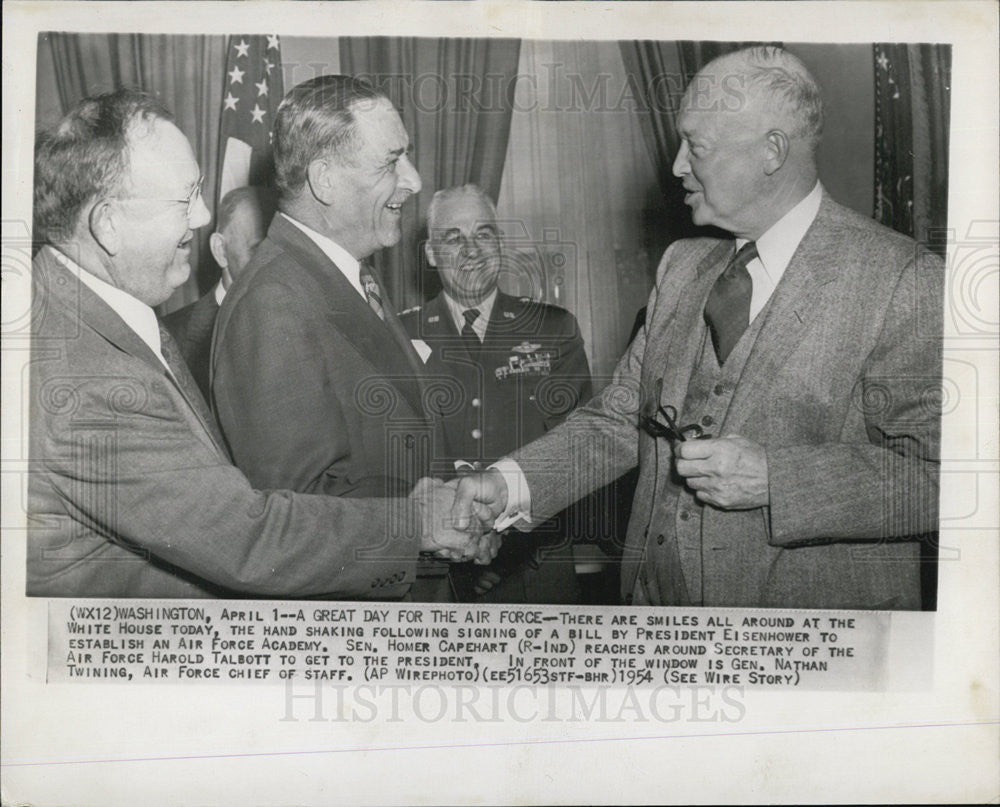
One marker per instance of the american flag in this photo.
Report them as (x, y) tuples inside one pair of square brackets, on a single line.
[(254, 88)]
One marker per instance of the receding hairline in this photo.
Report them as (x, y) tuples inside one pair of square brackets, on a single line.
[(458, 193)]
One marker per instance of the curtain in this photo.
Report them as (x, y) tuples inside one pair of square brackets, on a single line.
[(912, 104), (577, 191), (185, 72), (455, 97)]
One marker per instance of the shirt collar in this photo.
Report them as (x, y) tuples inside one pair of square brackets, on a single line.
[(136, 314), (776, 246), (341, 258), (485, 309), (220, 293)]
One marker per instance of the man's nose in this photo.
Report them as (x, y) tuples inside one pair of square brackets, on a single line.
[(409, 178), (199, 214), (470, 247), (681, 166)]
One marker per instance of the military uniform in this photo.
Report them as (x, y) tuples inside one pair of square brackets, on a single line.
[(529, 373)]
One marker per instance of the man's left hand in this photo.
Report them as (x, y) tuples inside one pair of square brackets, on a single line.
[(727, 472)]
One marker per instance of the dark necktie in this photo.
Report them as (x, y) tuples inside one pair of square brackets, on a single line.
[(372, 293), (727, 311), (469, 335), (189, 388)]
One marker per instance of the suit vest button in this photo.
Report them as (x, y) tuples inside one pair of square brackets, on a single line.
[(684, 515), (708, 420), (660, 539), (410, 441), (719, 389), (475, 402), (476, 434)]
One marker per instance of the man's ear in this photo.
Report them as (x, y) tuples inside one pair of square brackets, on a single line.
[(104, 227), (217, 244), (429, 252), (775, 151), (321, 180)]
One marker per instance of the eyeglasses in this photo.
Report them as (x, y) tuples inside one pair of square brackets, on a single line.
[(671, 431), (191, 201)]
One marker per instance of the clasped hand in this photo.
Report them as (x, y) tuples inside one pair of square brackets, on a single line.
[(444, 535)]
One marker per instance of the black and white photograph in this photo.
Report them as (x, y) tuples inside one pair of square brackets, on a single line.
[(400, 384)]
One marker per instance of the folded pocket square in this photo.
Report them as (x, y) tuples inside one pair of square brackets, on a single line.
[(422, 348)]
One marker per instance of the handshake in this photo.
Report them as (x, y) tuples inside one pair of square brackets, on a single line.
[(457, 517)]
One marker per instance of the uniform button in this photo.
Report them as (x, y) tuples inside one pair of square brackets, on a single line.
[(410, 440), (475, 402), (660, 539), (708, 420), (685, 515), (531, 397), (476, 434), (719, 389)]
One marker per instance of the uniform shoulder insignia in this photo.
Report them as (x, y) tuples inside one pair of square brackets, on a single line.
[(412, 310)]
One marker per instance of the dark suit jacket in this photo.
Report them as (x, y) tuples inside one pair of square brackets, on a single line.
[(191, 327), (313, 392), (129, 495), (839, 387)]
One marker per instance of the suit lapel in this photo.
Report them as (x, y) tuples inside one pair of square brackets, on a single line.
[(103, 319), (673, 345), (384, 344), (788, 315)]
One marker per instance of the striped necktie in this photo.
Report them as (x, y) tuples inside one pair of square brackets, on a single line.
[(372, 291), (727, 311)]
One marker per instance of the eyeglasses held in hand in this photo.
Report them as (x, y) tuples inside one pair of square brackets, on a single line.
[(670, 431)]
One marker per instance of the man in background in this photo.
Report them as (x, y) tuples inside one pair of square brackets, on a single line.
[(782, 399), (131, 491), (315, 382), (521, 368), (241, 222)]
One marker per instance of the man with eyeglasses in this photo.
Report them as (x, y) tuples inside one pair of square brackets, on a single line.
[(132, 492), (782, 400)]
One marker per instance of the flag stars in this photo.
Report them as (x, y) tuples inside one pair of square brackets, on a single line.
[(268, 66), (230, 101), (242, 48), (236, 75), (272, 41), (261, 86), (258, 114)]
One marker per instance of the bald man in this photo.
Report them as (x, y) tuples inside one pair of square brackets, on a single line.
[(782, 400), (241, 223)]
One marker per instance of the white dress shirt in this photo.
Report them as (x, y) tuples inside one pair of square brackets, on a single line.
[(342, 259), (481, 322), (220, 293), (774, 249), (137, 315)]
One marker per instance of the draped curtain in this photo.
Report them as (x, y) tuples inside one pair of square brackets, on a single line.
[(912, 104), (186, 73), (455, 97)]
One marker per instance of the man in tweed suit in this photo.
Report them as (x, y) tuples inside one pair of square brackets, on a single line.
[(808, 347)]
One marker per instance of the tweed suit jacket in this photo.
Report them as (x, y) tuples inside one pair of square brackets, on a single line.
[(130, 496), (313, 392), (192, 327), (839, 387)]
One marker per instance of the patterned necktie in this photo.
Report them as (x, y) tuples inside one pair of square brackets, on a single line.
[(372, 291), (727, 311), (185, 382), (469, 335)]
